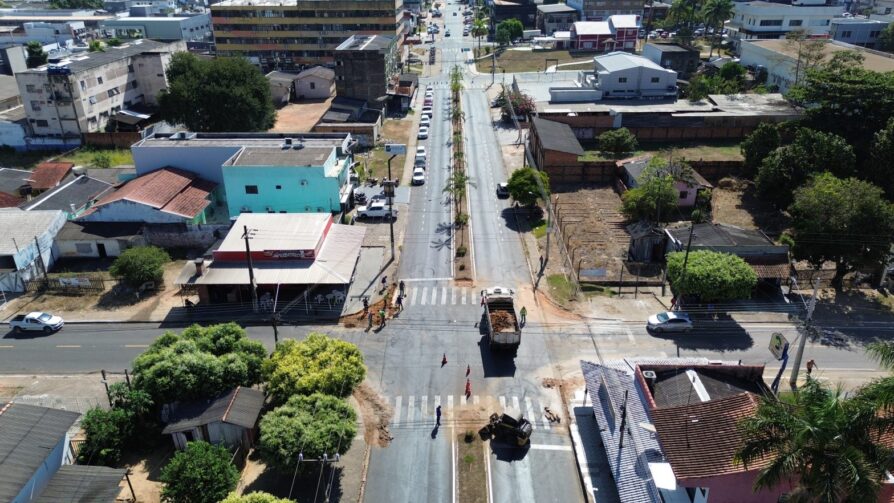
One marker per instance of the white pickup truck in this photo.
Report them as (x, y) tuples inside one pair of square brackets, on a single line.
[(36, 321), (376, 209)]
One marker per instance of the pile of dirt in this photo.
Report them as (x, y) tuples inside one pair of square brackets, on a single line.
[(502, 321), (731, 183), (376, 416)]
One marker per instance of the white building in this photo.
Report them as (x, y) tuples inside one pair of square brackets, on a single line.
[(762, 20), (26, 244), (79, 94), (619, 75)]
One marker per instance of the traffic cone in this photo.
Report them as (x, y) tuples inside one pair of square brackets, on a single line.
[(468, 388)]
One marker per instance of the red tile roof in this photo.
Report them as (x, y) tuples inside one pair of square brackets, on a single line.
[(9, 200), (48, 174), (700, 440), (168, 190)]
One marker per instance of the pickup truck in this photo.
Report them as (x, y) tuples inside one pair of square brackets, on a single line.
[(503, 330), (376, 209), (36, 321)]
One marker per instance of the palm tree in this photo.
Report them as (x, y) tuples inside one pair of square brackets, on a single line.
[(715, 13), (479, 29), (820, 440)]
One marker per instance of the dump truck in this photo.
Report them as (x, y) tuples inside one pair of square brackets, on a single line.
[(503, 330)]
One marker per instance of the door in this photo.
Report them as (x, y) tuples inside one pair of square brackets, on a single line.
[(101, 249)]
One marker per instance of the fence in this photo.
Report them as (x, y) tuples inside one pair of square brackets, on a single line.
[(116, 140), (69, 284), (599, 172)]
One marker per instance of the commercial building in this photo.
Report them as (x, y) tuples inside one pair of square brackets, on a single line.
[(767, 20), (364, 67), (681, 59), (781, 59), (88, 18), (289, 35), (81, 93), (600, 10), (293, 255), (618, 75), (523, 10), (555, 17), (858, 31), (618, 33), (192, 28)]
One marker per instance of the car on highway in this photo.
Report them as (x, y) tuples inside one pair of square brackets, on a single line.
[(503, 190), (36, 322), (376, 209), (669, 321), (418, 176), (425, 121), (422, 134)]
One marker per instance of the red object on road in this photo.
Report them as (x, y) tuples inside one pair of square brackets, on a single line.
[(468, 388)]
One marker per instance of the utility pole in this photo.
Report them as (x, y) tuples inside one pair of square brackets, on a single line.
[(685, 260), (793, 382), (251, 270), (43, 266), (389, 186)]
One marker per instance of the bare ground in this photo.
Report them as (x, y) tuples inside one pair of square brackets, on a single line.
[(472, 469), (300, 117), (145, 469), (734, 202), (376, 414)]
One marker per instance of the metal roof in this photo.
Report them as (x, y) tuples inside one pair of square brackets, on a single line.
[(77, 193), (28, 433), (83, 484), (240, 407), (278, 156), (91, 60), (88, 231), (616, 61), (18, 228), (557, 136), (555, 8), (277, 231)]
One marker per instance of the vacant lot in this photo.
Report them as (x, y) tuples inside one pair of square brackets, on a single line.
[(374, 162), (695, 151), (300, 117), (734, 202), (516, 61), (84, 156)]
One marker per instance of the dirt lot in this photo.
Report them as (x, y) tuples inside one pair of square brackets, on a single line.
[(374, 162), (300, 117), (513, 61), (696, 151), (734, 202), (471, 469)]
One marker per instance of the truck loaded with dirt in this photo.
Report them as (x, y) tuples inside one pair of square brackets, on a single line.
[(503, 330)]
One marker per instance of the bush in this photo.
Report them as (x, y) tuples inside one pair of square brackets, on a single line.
[(462, 219), (106, 431), (255, 497), (711, 276), (101, 160), (461, 251), (617, 141), (317, 364), (141, 264), (523, 186), (203, 473)]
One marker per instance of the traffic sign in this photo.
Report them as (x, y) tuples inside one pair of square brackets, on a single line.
[(778, 344), (395, 149)]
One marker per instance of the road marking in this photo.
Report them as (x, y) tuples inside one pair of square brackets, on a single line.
[(490, 483), (413, 298), (503, 403), (630, 335), (136, 345), (548, 447), (475, 400), (434, 295), (449, 402), (68, 346), (411, 411), (529, 412), (397, 401), (453, 296), (443, 295), (6, 347), (424, 296), (465, 295), (464, 400), (515, 407), (424, 406), (453, 465), (410, 280)]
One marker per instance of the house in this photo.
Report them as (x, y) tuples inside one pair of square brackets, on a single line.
[(97, 239), (228, 419), (26, 243), (73, 198), (282, 87), (618, 33), (553, 144), (679, 58), (859, 31), (9, 93), (687, 181), (600, 10), (317, 83), (616, 75), (781, 59), (48, 175), (36, 457), (770, 20), (292, 254), (501, 10), (769, 260), (165, 196), (555, 17), (15, 186), (259, 172), (364, 68)]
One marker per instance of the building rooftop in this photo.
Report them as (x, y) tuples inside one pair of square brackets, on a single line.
[(12, 180), (18, 227), (625, 20), (366, 43), (9, 88), (671, 48), (278, 231), (557, 136), (555, 8), (281, 77), (618, 60), (875, 61), (78, 483), (268, 156), (719, 235), (74, 231), (168, 190), (760, 4), (90, 60), (29, 435), (240, 407), (149, 19), (859, 20), (75, 194), (675, 386), (47, 175), (592, 28), (237, 140), (318, 71)]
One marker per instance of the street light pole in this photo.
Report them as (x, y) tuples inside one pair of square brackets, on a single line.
[(796, 367), (390, 202)]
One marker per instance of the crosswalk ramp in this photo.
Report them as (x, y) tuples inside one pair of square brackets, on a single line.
[(418, 411)]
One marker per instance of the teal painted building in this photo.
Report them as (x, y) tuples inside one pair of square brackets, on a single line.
[(286, 179)]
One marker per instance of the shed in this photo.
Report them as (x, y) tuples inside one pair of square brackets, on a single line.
[(97, 239), (647, 242), (687, 181), (228, 419), (553, 143), (282, 87), (315, 83)]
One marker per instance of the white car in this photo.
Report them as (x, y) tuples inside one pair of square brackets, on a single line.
[(418, 176), (669, 321), (425, 121), (420, 150), (422, 134), (376, 209), (429, 94), (419, 161), (36, 321)]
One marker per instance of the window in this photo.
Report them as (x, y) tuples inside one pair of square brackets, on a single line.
[(622, 80), (795, 22), (130, 67), (84, 247), (30, 88), (251, 189), (313, 85), (113, 92), (771, 22), (684, 194), (92, 100), (42, 123), (134, 84), (83, 85), (846, 33), (35, 105), (99, 80), (279, 187), (655, 80)]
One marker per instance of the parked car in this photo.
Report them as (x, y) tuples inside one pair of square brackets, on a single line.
[(669, 321), (420, 150), (428, 102), (376, 209), (418, 176), (429, 87), (502, 190), (422, 134), (427, 111), (425, 121), (36, 322), (446, 33)]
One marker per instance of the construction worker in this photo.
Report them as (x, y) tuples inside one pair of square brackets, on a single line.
[(400, 304), (524, 315), (365, 305), (438, 416), (382, 318)]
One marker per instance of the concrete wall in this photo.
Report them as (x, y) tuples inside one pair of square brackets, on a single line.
[(291, 190), (204, 161), (113, 247), (45, 472), (194, 236), (313, 88), (127, 211)]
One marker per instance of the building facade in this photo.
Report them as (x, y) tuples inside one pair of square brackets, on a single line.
[(364, 66), (618, 33), (857, 31), (82, 93), (600, 10), (189, 28), (287, 36), (556, 17), (681, 59), (315, 83), (763, 20)]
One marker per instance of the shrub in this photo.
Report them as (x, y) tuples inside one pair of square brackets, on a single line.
[(203, 473), (141, 264), (617, 141), (317, 364)]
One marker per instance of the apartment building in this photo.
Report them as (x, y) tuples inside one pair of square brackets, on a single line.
[(859, 31), (766, 20), (81, 93), (286, 36), (364, 67), (600, 10)]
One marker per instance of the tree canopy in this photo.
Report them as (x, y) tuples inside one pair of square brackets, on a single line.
[(36, 55), (885, 41), (788, 167), (712, 276), (846, 221), (222, 94), (880, 168), (200, 362), (513, 26), (758, 145), (654, 198), (255, 497), (311, 425), (108, 431), (139, 265), (523, 186), (617, 141), (502, 36), (319, 363), (203, 473), (76, 4)]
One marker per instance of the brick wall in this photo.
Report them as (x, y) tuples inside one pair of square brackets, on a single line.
[(117, 140)]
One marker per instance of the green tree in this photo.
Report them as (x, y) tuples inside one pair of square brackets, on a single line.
[(758, 145), (809, 51), (846, 221), (880, 168), (141, 264), (36, 55), (820, 440), (617, 141), (523, 186), (222, 94), (255, 497), (202, 473), (732, 71), (113, 42), (479, 29), (308, 425), (712, 276), (95, 46), (106, 432), (133, 401), (715, 13), (885, 41), (513, 26), (198, 363), (317, 364), (654, 198), (789, 167), (101, 160), (76, 4), (502, 36)]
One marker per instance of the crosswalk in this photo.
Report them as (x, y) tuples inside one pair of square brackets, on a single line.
[(419, 410), (439, 296)]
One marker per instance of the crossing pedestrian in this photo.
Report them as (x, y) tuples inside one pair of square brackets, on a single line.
[(524, 315), (402, 288), (400, 304), (810, 365), (444, 360), (438, 416), (468, 388), (468, 370)]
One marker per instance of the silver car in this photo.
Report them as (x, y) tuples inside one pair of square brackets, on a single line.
[(669, 321)]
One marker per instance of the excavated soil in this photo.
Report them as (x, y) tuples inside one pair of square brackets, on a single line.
[(376, 416)]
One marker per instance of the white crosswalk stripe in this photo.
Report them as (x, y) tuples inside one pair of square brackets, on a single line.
[(412, 411), (434, 295), (503, 402), (515, 406), (453, 296), (413, 296), (450, 402), (424, 298), (443, 295), (397, 401), (424, 406), (529, 412), (465, 293)]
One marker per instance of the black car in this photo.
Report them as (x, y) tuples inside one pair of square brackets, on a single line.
[(502, 190)]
